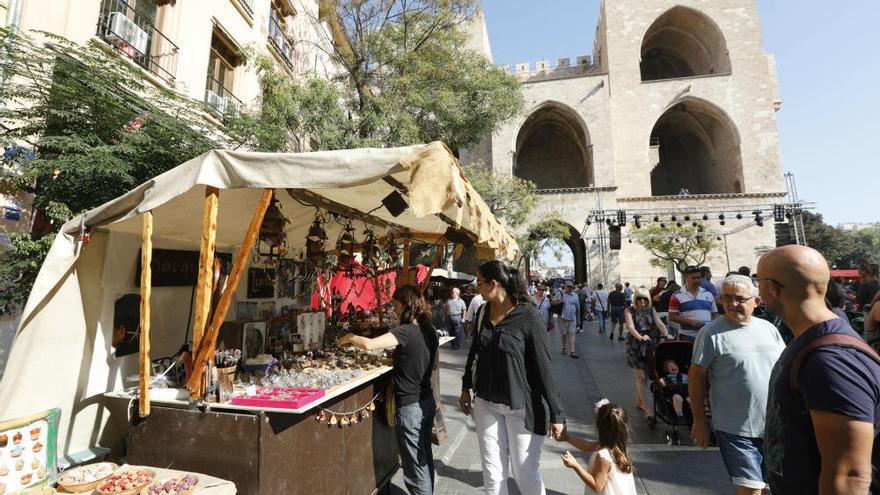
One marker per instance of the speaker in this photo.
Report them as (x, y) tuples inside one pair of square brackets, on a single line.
[(614, 241), (783, 234)]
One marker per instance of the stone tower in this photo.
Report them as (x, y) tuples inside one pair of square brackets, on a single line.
[(677, 96)]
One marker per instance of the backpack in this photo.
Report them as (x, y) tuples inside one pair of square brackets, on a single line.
[(835, 339)]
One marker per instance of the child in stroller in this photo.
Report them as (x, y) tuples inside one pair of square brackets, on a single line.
[(668, 363)]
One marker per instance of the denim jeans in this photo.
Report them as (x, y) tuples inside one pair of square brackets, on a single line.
[(601, 316), (743, 459), (456, 329), (414, 424)]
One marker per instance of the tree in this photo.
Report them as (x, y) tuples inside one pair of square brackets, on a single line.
[(406, 77), (290, 115), (512, 200), (684, 245), (842, 249), (81, 128)]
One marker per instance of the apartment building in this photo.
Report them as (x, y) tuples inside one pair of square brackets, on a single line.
[(191, 46)]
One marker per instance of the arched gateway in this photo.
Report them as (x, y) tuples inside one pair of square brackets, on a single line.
[(553, 149)]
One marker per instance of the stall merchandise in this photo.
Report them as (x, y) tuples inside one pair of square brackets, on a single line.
[(289, 220)]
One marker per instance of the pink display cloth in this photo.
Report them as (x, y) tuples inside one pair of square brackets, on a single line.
[(358, 287)]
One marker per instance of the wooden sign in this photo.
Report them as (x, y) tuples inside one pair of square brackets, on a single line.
[(175, 268), (260, 283)]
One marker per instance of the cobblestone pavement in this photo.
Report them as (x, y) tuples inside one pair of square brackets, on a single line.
[(601, 372)]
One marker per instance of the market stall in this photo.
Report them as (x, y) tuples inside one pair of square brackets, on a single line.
[(223, 254)]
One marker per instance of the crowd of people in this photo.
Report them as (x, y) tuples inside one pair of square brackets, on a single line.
[(774, 374)]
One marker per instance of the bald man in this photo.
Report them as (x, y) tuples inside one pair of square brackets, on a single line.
[(823, 406)]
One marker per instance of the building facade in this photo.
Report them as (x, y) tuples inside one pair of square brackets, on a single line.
[(191, 46), (672, 114)]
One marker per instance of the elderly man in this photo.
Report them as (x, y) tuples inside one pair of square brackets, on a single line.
[(823, 408), (735, 355), (692, 306), (454, 315)]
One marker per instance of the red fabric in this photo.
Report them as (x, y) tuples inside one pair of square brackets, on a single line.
[(359, 289), (845, 273)]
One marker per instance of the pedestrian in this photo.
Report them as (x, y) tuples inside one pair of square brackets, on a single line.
[(533, 289), (542, 302), (823, 406), (510, 373), (628, 293), (706, 282), (657, 290), (616, 304), (869, 285), (454, 316), (473, 306), (643, 323), (732, 359), (415, 357), (610, 469), (692, 306), (587, 302), (568, 319), (744, 270), (582, 303), (600, 305)]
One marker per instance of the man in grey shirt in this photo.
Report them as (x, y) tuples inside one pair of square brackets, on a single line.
[(736, 354)]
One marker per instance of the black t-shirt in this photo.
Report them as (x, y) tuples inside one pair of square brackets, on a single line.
[(838, 380), (867, 291), (413, 362), (617, 298)]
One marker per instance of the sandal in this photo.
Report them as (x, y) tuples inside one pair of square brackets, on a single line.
[(564, 351), (574, 355)]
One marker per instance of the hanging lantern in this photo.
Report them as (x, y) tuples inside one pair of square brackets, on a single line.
[(272, 228)]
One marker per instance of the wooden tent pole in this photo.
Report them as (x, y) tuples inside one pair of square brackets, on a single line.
[(434, 262), (209, 339), (207, 248), (146, 288)]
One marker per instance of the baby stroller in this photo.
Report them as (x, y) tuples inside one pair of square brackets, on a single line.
[(680, 352)]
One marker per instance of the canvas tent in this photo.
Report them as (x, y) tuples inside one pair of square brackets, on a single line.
[(61, 355)]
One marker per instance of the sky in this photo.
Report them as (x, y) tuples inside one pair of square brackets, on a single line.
[(828, 66)]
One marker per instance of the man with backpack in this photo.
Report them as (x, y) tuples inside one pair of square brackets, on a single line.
[(823, 406)]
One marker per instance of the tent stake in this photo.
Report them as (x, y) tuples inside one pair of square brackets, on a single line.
[(209, 339), (146, 289)]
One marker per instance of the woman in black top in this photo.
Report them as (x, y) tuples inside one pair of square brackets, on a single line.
[(509, 370), (414, 358)]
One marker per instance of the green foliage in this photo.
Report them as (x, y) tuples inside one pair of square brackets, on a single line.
[(407, 77), (677, 245), (94, 127), (510, 198), (842, 249), (290, 113)]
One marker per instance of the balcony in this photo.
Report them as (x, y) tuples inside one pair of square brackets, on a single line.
[(218, 97), (279, 41), (134, 35), (248, 6)]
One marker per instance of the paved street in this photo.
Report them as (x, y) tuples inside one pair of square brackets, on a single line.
[(601, 372)]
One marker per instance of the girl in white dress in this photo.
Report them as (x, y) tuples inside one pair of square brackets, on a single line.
[(610, 470)]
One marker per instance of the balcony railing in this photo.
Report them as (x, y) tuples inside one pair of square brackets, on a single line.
[(220, 98), (134, 35), (280, 42), (248, 6)]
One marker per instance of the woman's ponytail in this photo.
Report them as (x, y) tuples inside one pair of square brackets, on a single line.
[(415, 308), (509, 278)]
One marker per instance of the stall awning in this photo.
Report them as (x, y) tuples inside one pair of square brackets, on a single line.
[(453, 275)]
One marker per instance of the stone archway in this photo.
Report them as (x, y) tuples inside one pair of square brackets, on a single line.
[(553, 149), (695, 146), (683, 42), (578, 248)]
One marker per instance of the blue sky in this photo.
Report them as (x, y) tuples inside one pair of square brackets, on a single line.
[(828, 61)]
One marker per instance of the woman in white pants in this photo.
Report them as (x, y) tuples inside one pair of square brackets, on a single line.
[(511, 376)]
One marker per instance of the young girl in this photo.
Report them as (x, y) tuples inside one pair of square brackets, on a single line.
[(610, 470)]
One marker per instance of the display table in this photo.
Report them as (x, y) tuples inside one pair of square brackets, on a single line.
[(207, 485), (275, 452)]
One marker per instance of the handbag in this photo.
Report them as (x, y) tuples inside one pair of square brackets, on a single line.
[(479, 342)]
